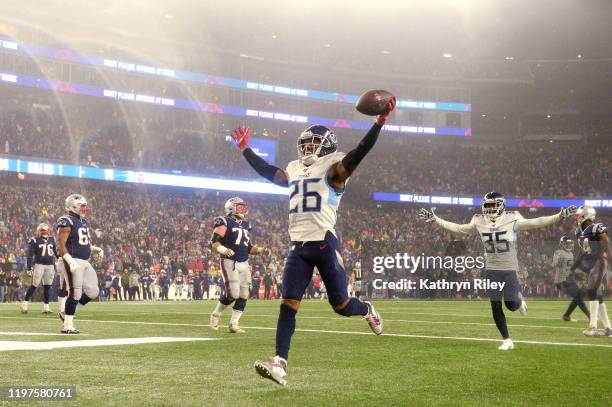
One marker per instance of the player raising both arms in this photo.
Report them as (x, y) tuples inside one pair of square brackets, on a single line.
[(41, 262), (75, 248), (594, 248), (565, 280), (316, 182), (498, 231), (231, 240)]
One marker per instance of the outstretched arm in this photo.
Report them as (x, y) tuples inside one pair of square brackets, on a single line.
[(465, 229), (543, 221), (340, 171), (273, 174)]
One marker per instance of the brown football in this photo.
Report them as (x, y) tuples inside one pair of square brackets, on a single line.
[(373, 102)]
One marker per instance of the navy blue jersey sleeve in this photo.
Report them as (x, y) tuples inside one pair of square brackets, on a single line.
[(31, 252), (599, 229), (63, 222), (219, 221)]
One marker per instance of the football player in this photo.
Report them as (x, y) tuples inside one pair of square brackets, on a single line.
[(75, 248), (41, 264), (563, 259), (232, 241), (498, 230), (594, 246), (316, 182)]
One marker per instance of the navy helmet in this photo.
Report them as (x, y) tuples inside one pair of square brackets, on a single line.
[(314, 142)]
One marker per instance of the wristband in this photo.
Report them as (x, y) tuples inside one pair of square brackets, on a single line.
[(221, 249), (67, 257)]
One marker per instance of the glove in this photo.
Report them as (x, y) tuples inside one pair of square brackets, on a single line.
[(229, 253), (98, 252), (73, 265), (241, 136), (382, 119), (265, 251), (426, 215), (568, 212)]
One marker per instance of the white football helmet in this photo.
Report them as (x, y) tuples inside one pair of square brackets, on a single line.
[(42, 230), (566, 243), (584, 213), (493, 206), (77, 204), (237, 207)]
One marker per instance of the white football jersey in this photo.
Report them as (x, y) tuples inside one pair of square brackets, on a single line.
[(499, 240), (562, 261), (312, 201)]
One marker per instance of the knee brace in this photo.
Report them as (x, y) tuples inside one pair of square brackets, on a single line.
[(240, 304)]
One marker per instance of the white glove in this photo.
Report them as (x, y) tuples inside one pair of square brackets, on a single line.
[(568, 212), (426, 215), (98, 252), (72, 264), (265, 251)]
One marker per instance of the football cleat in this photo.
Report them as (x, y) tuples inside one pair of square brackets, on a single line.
[(273, 370), (374, 319), (523, 308), (235, 329), (61, 315), (591, 332), (608, 332), (23, 307), (214, 322), (507, 344), (70, 331), (568, 319)]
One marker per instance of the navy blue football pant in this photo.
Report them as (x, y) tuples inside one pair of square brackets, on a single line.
[(301, 261), (510, 294)]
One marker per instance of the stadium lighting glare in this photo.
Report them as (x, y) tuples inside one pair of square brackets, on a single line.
[(509, 58), (484, 115), (385, 52), (447, 55), (579, 56), (548, 116)]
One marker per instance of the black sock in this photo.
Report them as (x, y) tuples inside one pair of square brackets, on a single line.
[(500, 318), (46, 291), (84, 299), (583, 307), (240, 304), (285, 327), (30, 292), (572, 306)]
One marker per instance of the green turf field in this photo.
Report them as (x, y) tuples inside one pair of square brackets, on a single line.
[(434, 353)]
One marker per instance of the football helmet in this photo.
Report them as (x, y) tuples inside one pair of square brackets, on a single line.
[(77, 205), (493, 206), (566, 243), (584, 213), (237, 207), (42, 230), (314, 142)]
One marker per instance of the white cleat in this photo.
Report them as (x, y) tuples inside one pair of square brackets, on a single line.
[(507, 344), (23, 307), (273, 370), (46, 309), (374, 319), (523, 308), (214, 322), (591, 332), (235, 329), (70, 330)]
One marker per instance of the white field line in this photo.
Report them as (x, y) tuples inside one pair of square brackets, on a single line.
[(458, 338), (16, 345), (32, 334)]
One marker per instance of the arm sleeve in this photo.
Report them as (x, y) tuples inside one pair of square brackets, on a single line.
[(262, 167), (536, 223), (354, 157), (466, 229), (31, 251)]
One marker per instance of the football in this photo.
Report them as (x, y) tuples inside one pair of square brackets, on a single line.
[(373, 102)]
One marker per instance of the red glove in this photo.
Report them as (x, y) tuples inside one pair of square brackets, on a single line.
[(382, 119), (241, 136)]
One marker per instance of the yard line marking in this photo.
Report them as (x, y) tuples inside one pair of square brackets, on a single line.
[(460, 338), (17, 345), (32, 333)]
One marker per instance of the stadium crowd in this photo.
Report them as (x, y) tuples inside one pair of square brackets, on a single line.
[(156, 240), (430, 166)]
